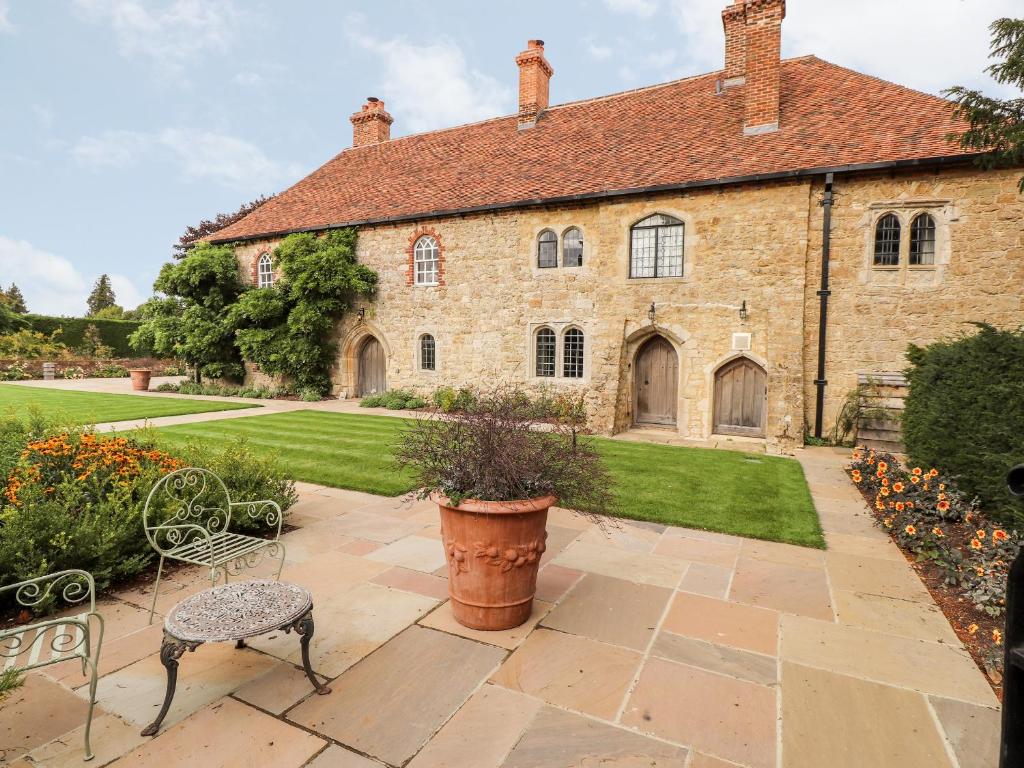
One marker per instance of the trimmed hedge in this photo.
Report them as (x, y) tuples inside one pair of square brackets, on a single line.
[(965, 413), (114, 333)]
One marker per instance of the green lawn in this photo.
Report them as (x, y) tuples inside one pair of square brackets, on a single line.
[(100, 408), (762, 497)]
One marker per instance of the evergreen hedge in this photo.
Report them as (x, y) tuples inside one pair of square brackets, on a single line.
[(114, 333), (965, 413)]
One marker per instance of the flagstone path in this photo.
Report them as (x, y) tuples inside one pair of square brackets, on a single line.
[(649, 646)]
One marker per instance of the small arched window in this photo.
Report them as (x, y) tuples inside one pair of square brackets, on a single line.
[(572, 354), (428, 353), (264, 272), (887, 241), (426, 257), (656, 247), (545, 352), (547, 249), (922, 240), (572, 247)]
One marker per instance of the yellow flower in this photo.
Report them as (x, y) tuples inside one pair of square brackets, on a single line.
[(997, 637), (942, 486), (980, 534), (911, 530), (975, 544), (884, 491), (972, 629), (938, 532)]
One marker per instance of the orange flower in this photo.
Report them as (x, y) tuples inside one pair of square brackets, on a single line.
[(975, 544), (910, 505), (979, 570), (899, 506), (898, 487), (972, 629), (885, 481), (916, 470), (968, 517), (942, 506), (980, 534), (915, 479), (884, 491), (941, 496), (1000, 535), (882, 466), (942, 486), (938, 532), (933, 472), (911, 530), (997, 637)]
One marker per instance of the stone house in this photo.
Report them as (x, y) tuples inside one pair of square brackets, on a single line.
[(661, 249)]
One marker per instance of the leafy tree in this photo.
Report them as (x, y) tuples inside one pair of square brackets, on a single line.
[(209, 226), (15, 300), (101, 297), (10, 321), (996, 126), (287, 329), (189, 320), (115, 312)]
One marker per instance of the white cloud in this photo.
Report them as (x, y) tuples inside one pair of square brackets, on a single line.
[(53, 285), (201, 156), (431, 86), (170, 36), (5, 20), (642, 8), (599, 51)]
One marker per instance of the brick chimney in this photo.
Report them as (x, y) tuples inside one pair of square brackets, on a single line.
[(371, 124), (734, 20), (763, 54), (534, 75)]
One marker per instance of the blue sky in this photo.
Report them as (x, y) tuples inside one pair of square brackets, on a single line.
[(127, 120)]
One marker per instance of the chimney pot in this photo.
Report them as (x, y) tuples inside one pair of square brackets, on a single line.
[(371, 124), (534, 77)]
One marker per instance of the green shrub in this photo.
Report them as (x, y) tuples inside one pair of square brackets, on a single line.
[(373, 401), (394, 400), (310, 394), (9, 680), (168, 386), (110, 371), (111, 333), (450, 400), (32, 345), (965, 412), (14, 372)]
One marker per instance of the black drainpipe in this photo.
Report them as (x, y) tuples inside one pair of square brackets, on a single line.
[(823, 294)]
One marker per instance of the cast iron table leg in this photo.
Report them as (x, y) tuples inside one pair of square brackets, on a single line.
[(304, 628), (171, 650)]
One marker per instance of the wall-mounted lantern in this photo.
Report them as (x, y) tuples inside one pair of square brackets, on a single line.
[(650, 313), (743, 310), (362, 314)]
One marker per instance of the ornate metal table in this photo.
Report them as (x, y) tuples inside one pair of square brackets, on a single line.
[(234, 612)]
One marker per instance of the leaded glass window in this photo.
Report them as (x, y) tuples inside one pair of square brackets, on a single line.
[(428, 353), (922, 240), (887, 241), (545, 354), (572, 248), (572, 354), (547, 249), (656, 247), (426, 258), (264, 272)]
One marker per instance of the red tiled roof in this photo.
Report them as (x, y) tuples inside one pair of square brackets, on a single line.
[(680, 133)]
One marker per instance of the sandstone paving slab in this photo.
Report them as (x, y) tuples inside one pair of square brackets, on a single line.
[(675, 532), (392, 702), (313, 508), (37, 712), (228, 734), (442, 619), (402, 507), (972, 731), (722, 554), (136, 692), (352, 625), (721, 659), (784, 588), (416, 553), (559, 537), (277, 689), (844, 722), (718, 621), (339, 757), (784, 554), (482, 733), (876, 544), (894, 616), (559, 739), (622, 564), (619, 534), (708, 580), (720, 715), (875, 576), (933, 668), (611, 610), (111, 738), (571, 672), (554, 581), (360, 547), (563, 518), (350, 500), (366, 525), (413, 581), (330, 575), (309, 542), (700, 760), (114, 655)]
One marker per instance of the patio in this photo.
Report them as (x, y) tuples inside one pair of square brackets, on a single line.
[(649, 646)]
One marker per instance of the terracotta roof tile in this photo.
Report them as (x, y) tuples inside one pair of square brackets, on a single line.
[(677, 133)]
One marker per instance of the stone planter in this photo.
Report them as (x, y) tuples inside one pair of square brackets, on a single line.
[(140, 379), (493, 549)]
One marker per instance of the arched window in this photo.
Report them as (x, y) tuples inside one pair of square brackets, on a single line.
[(428, 353), (572, 247), (547, 249), (922, 240), (426, 257), (572, 354), (656, 247), (545, 354), (264, 272), (887, 241)]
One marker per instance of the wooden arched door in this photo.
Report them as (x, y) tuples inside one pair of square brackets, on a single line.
[(371, 368), (740, 390), (656, 382)]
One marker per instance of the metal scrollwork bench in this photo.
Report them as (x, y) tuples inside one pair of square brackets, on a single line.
[(233, 613)]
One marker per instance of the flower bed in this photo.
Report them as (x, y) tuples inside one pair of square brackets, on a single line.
[(74, 367), (962, 556)]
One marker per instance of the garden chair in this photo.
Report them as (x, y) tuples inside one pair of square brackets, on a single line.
[(187, 517), (51, 641)]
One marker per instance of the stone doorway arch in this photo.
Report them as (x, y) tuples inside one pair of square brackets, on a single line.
[(371, 367), (656, 383)]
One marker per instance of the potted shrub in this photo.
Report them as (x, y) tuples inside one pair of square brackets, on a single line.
[(140, 378), (494, 472)]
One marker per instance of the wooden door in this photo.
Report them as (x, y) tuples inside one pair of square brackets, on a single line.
[(371, 368), (656, 382), (740, 388)]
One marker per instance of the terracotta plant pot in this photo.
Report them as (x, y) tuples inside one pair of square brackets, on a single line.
[(140, 379), (493, 550)]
